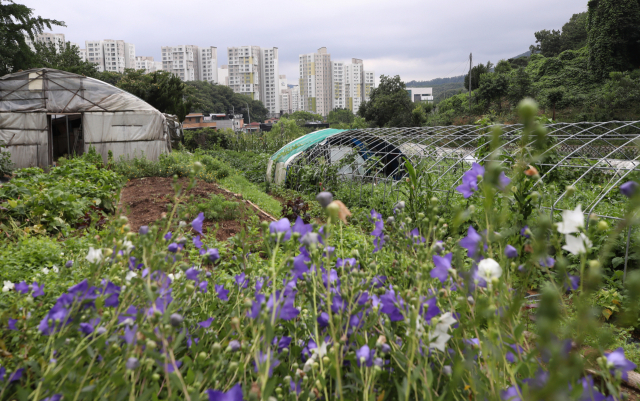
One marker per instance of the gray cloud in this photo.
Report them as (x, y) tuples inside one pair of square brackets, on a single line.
[(415, 39)]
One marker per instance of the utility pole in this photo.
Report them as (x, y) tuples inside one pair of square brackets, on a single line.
[(470, 79)]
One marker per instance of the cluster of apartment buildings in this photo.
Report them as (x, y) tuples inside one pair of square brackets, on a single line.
[(254, 71)]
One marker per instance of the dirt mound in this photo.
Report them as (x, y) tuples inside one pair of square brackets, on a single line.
[(143, 201)]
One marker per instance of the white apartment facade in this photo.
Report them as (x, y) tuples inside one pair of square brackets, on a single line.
[(182, 61), (47, 38), (111, 55), (338, 85), (208, 62), (245, 71), (145, 63), (316, 86), (223, 75), (270, 80)]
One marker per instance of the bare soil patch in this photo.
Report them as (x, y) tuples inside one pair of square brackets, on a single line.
[(144, 200)]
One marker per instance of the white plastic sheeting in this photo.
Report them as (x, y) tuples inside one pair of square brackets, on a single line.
[(112, 119), (26, 137)]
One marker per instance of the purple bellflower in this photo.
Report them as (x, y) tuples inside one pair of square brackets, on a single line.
[(628, 189), (241, 280), (364, 356), (378, 232), (443, 265), (197, 223), (196, 242), (472, 243), (282, 226), (511, 252), (22, 287), (470, 180), (222, 293), (301, 228), (503, 181), (234, 394), (390, 305), (620, 363)]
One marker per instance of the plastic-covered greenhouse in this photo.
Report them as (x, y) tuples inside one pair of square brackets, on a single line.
[(46, 113), (595, 158)]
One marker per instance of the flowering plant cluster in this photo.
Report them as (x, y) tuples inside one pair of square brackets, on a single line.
[(320, 311)]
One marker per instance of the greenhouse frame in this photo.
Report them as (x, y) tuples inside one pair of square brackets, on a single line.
[(47, 113), (594, 158)]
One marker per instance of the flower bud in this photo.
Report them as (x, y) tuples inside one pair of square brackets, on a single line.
[(176, 319), (151, 344), (603, 225), (528, 109), (132, 363), (570, 190), (324, 199)]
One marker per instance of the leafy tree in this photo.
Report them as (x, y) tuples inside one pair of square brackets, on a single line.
[(549, 42), (493, 87), (340, 116), (161, 89), (16, 24), (109, 77), (64, 57), (613, 29), (418, 116), (286, 129), (574, 32), (554, 96), (389, 104), (207, 97), (503, 67), (476, 72), (301, 117), (519, 86)]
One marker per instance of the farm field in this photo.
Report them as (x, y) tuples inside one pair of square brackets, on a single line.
[(191, 278)]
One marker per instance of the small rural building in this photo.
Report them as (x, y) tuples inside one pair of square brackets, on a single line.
[(47, 113)]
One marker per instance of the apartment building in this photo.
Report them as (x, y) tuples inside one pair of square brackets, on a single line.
[(145, 63), (295, 98), (208, 62), (316, 82), (111, 55), (358, 85), (57, 39), (223, 75), (338, 85), (270, 79), (245, 71), (182, 61)]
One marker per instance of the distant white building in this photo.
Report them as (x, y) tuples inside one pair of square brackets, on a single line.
[(420, 94), (182, 61), (57, 39), (223, 75), (111, 55), (326, 85), (271, 80), (208, 64), (338, 84), (191, 63), (145, 63)]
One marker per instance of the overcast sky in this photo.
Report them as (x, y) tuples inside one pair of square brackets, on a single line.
[(416, 39)]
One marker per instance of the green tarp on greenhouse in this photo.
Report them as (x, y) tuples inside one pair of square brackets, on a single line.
[(282, 157), (303, 143)]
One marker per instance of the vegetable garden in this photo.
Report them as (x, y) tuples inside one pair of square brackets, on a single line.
[(462, 267)]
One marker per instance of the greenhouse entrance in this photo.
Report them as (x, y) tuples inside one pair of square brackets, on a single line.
[(65, 135)]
